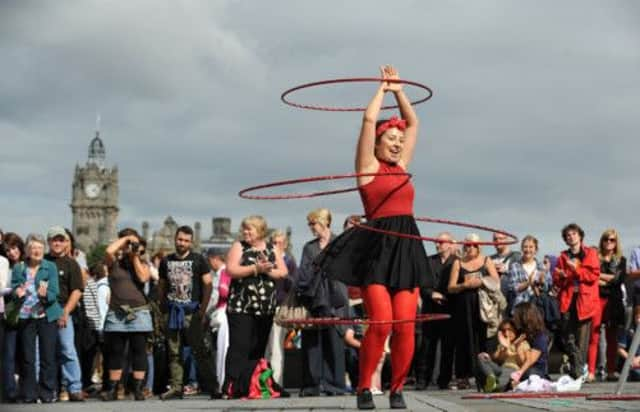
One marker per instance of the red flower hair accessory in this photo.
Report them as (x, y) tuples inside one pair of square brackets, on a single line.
[(401, 124)]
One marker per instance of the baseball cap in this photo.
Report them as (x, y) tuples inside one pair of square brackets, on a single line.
[(57, 231)]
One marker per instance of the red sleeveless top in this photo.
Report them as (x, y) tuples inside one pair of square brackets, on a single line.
[(388, 195)]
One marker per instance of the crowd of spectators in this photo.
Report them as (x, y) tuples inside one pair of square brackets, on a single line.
[(134, 325)]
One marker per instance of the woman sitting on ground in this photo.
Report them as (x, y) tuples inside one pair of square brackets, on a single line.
[(529, 321), (495, 370)]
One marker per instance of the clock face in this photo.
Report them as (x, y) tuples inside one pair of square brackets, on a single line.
[(92, 190)]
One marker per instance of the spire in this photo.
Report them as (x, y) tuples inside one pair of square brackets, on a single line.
[(96, 147)]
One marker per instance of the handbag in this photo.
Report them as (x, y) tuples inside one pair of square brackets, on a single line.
[(12, 311), (291, 309)]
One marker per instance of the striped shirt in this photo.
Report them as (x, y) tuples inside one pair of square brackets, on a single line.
[(90, 303)]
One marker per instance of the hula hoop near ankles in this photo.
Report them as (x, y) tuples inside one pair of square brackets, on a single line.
[(307, 322), (284, 95)]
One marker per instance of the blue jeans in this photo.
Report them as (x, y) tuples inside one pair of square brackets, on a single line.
[(189, 366), (150, 372), (45, 332), (69, 362), (9, 363)]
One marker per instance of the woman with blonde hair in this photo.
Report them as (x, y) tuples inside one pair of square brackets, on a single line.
[(464, 283), (322, 349), (613, 267), (253, 264)]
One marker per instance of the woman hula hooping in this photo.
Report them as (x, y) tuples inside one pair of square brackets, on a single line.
[(389, 269)]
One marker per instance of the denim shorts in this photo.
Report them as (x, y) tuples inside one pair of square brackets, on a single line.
[(117, 322)]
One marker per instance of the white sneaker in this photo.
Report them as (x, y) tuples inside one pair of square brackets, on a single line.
[(376, 392)]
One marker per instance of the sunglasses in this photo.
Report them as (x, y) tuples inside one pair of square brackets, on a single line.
[(611, 239)]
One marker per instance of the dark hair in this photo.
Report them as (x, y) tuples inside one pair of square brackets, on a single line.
[(11, 239), (97, 270), (574, 227), (507, 321), (128, 232), (528, 319), (72, 239), (185, 229)]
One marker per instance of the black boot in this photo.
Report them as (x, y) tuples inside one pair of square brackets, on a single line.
[(396, 401), (365, 400), (109, 393), (138, 387)]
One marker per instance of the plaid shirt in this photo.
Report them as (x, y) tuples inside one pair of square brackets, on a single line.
[(517, 275)]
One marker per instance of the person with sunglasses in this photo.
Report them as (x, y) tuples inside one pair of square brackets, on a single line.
[(613, 268), (471, 332)]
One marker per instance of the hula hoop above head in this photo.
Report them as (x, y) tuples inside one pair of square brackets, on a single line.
[(513, 239), (285, 100), (311, 322), (244, 192)]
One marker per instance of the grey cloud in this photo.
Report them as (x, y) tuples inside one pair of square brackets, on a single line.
[(533, 122)]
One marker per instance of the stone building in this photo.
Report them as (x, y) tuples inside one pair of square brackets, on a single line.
[(94, 199)]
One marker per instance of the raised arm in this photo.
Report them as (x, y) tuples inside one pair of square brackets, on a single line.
[(366, 161), (409, 115)]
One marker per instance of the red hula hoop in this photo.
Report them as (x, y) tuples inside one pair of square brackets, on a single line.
[(423, 317), (243, 193), (514, 239), (283, 97)]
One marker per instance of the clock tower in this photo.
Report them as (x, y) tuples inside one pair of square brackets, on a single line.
[(94, 202)]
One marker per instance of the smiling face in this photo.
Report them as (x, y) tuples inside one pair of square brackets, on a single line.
[(389, 145), (250, 234), (529, 250), (35, 251), (58, 245), (14, 254)]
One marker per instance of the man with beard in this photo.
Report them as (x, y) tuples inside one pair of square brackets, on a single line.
[(184, 290), (71, 288)]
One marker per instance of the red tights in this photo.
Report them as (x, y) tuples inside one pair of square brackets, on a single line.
[(612, 342), (381, 304)]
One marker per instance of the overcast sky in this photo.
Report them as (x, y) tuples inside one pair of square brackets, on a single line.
[(533, 124)]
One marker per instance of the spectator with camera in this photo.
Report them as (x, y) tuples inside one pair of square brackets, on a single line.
[(129, 317), (71, 289), (184, 292)]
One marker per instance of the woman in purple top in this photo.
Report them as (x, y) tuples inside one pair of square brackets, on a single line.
[(529, 321)]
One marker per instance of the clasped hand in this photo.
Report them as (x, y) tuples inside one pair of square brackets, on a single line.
[(389, 72)]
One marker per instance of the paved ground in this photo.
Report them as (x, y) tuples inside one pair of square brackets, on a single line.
[(417, 401)]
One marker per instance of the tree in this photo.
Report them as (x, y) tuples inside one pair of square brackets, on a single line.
[(96, 254)]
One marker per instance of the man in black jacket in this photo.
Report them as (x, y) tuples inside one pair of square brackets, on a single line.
[(436, 300)]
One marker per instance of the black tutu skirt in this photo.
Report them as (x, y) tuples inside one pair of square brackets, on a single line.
[(361, 257)]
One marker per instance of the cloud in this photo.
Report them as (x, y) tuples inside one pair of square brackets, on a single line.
[(533, 122)]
